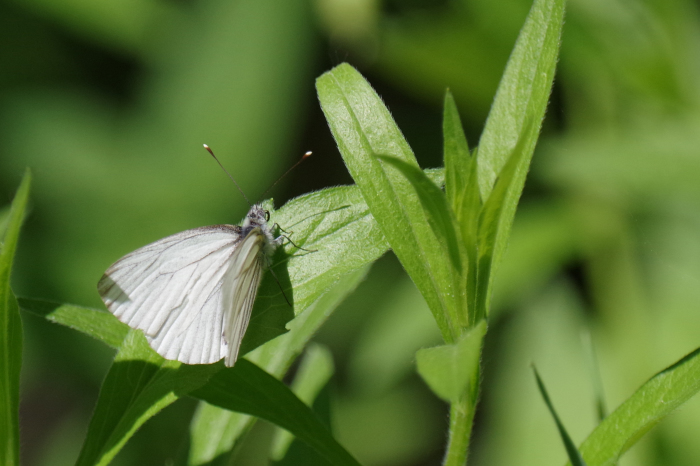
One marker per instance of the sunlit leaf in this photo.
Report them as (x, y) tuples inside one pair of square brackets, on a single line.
[(363, 128)]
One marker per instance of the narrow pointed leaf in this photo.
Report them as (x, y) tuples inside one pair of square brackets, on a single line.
[(456, 153), (435, 208), (260, 394), (450, 369), (571, 451), (10, 332), (650, 404), (495, 222), (363, 128), (522, 93)]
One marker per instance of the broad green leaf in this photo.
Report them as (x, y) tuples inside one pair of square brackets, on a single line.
[(262, 395), (522, 94), (96, 323), (139, 384), (363, 128), (651, 403), (314, 372), (11, 332), (436, 209), (456, 153), (571, 451), (214, 430), (449, 370), (495, 221)]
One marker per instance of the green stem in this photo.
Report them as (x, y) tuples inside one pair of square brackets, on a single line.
[(461, 419), (461, 422)]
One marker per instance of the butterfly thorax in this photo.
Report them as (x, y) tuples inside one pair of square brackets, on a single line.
[(257, 218)]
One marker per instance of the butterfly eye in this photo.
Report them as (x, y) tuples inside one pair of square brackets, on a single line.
[(267, 215)]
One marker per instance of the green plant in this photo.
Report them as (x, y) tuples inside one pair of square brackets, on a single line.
[(450, 244)]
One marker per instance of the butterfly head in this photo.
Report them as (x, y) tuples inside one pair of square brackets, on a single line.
[(256, 217)]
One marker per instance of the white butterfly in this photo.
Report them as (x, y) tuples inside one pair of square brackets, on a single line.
[(191, 293)]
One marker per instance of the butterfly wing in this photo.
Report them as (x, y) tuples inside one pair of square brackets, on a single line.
[(172, 290), (240, 289)]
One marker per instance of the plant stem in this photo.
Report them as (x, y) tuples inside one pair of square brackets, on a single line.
[(461, 419)]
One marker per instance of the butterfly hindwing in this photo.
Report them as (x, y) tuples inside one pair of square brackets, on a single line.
[(172, 290)]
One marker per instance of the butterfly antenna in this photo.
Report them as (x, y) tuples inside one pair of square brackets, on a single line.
[(229, 175), (303, 157)]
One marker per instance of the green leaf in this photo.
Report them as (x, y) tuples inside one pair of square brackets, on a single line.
[(571, 451), (262, 395), (435, 207), (11, 332), (214, 430), (314, 372), (139, 384), (97, 323), (495, 222), (522, 94), (456, 153), (449, 370), (652, 402), (363, 127)]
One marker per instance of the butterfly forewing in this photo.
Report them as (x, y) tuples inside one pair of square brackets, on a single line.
[(239, 290), (172, 290)]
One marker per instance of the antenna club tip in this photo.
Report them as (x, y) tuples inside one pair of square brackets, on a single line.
[(308, 154), (206, 146)]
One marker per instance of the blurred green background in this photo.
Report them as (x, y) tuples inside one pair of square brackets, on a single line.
[(109, 103)]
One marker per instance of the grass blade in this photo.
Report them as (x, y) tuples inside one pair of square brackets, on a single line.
[(11, 332), (573, 454)]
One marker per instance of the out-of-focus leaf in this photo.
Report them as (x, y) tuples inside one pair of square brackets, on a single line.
[(215, 431), (139, 384), (363, 128), (96, 323), (449, 369), (651, 403), (11, 332), (571, 451), (261, 395), (315, 371), (435, 207), (522, 95)]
